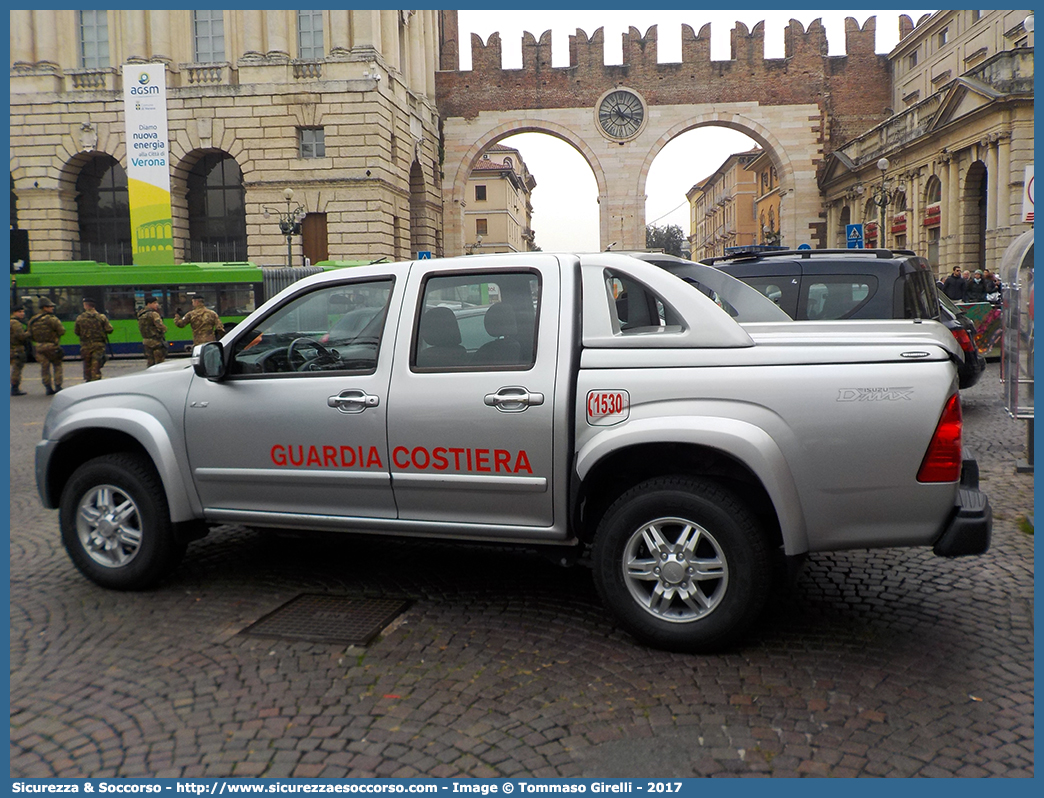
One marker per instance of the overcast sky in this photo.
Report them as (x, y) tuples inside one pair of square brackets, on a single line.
[(565, 208)]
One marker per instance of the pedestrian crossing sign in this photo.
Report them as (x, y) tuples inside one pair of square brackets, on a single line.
[(854, 236)]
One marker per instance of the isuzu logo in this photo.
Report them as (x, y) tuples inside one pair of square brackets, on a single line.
[(875, 394)]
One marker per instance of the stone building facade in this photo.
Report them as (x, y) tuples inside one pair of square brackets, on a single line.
[(724, 207), (499, 210), (954, 152), (338, 106)]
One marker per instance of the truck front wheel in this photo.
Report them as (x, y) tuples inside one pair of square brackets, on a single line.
[(682, 564), (115, 523)]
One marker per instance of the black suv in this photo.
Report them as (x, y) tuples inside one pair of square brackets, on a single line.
[(833, 284)]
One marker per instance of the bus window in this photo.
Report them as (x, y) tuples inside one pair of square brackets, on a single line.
[(235, 300), (118, 302), (181, 297), (68, 302)]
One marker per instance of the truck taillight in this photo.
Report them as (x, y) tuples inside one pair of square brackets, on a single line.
[(942, 461), (964, 340)]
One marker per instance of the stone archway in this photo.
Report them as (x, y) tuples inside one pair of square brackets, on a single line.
[(798, 107), (621, 169), (462, 156)]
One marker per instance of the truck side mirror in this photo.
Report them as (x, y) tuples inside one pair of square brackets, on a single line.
[(208, 360)]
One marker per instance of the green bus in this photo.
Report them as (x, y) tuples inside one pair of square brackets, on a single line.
[(233, 290)]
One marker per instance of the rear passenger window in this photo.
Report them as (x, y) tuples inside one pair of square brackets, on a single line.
[(833, 298), (920, 296), (637, 309), (477, 322)]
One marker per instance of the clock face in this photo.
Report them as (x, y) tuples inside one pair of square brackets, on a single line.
[(621, 114)]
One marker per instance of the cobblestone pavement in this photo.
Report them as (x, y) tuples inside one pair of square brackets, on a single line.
[(893, 663)]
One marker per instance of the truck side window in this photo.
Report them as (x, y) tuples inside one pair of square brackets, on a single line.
[(332, 329), (471, 322), (637, 308)]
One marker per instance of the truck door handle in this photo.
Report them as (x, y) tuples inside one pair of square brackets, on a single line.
[(513, 399), (352, 401)]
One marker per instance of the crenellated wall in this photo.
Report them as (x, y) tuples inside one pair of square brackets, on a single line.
[(852, 91), (798, 108)]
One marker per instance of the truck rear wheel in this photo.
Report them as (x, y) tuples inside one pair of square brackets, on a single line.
[(682, 564), (115, 523)]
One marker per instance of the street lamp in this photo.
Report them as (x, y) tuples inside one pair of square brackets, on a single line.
[(469, 249), (882, 196), (289, 222)]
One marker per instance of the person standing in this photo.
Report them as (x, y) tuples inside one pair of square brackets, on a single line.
[(153, 332), (46, 332), (206, 325), (19, 338), (975, 290), (93, 330), (953, 286)]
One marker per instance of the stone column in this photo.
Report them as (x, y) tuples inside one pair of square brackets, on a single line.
[(416, 45), (253, 33), (159, 31), (952, 215), (431, 62), (914, 227), (992, 182), (279, 32), (22, 37), (340, 32), (366, 30), (45, 34), (390, 39), (1004, 211), (134, 44)]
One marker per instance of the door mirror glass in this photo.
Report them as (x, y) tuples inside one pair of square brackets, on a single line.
[(208, 360)]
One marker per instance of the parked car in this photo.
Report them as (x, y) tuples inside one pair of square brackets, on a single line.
[(963, 330), (833, 285)]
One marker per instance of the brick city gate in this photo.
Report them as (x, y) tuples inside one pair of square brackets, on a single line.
[(796, 107)]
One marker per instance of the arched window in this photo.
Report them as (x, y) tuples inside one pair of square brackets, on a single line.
[(103, 207), (933, 191), (217, 211)]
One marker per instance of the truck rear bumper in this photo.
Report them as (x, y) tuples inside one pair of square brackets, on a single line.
[(971, 522)]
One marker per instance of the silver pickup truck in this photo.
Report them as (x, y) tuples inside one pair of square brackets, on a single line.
[(687, 431)]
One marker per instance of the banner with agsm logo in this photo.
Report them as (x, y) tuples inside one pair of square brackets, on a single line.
[(148, 163)]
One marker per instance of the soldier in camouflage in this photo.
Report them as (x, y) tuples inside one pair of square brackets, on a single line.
[(19, 337), (93, 330), (206, 326), (46, 331), (153, 332)]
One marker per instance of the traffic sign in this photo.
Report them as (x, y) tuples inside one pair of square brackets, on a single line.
[(804, 246), (424, 255), (854, 236)]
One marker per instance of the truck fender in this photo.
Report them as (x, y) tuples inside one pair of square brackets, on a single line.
[(749, 444), (150, 432)]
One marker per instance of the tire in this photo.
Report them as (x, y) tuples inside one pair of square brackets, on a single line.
[(115, 523), (673, 589)]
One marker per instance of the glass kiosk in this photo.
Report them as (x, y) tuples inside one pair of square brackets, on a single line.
[(1017, 357)]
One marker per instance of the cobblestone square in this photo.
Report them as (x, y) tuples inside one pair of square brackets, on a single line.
[(884, 663)]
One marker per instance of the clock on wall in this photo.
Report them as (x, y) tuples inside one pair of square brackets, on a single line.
[(621, 113)]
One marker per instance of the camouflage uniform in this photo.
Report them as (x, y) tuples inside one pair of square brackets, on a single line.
[(153, 336), (19, 337), (93, 330), (46, 331), (206, 326)]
